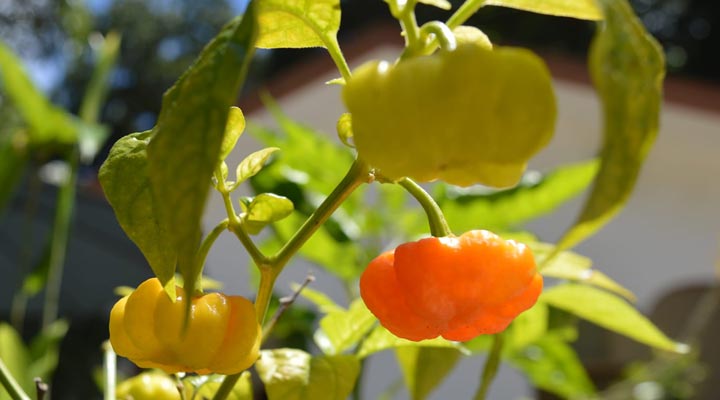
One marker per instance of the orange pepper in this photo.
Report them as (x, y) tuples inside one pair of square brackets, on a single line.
[(454, 287)]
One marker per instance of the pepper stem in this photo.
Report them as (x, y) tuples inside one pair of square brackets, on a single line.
[(438, 225)]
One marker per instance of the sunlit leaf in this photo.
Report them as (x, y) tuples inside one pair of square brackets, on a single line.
[(528, 327), (264, 209), (380, 339), (581, 9), (342, 330), (627, 68), (536, 195), (46, 122), (609, 311), (297, 23), (574, 267), (552, 365), (442, 4), (291, 374), (424, 368), (241, 391), (187, 140), (124, 179), (323, 302), (234, 128), (253, 163), (16, 358)]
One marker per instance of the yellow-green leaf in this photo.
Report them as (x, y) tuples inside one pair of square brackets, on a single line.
[(234, 127), (291, 374), (341, 330), (264, 209), (187, 140), (424, 368), (253, 163), (627, 67), (574, 267), (297, 23), (125, 181), (442, 4), (381, 339), (609, 311), (581, 9)]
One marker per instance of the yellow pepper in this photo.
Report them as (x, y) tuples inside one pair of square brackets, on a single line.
[(222, 336), (474, 114)]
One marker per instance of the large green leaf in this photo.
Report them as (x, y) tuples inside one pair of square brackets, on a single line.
[(381, 339), (574, 267), (582, 9), (609, 311), (291, 374), (424, 368), (627, 68), (467, 209), (341, 330), (187, 140), (46, 122), (297, 23), (552, 365), (125, 181)]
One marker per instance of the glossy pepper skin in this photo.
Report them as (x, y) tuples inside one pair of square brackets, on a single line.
[(223, 335), (471, 115), (454, 287)]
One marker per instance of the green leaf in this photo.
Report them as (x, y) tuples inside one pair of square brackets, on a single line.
[(253, 164), (297, 23), (581, 9), (341, 330), (552, 365), (537, 195), (124, 179), (424, 368), (627, 67), (97, 88), (187, 140), (13, 158), (16, 358), (609, 311), (291, 374), (45, 350), (46, 122), (574, 267), (234, 128), (528, 327), (442, 4), (264, 209), (323, 302), (206, 389), (381, 339)]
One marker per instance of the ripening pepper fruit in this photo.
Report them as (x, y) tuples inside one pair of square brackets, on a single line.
[(148, 386), (457, 287), (222, 336), (475, 114)]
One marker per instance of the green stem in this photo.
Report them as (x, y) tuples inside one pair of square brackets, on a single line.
[(463, 13), (204, 249), (442, 33), (436, 219), (10, 384), (333, 48), (271, 268), (61, 228), (355, 177), (491, 367), (413, 43), (109, 371)]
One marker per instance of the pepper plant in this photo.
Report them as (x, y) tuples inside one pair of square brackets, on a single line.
[(453, 108)]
